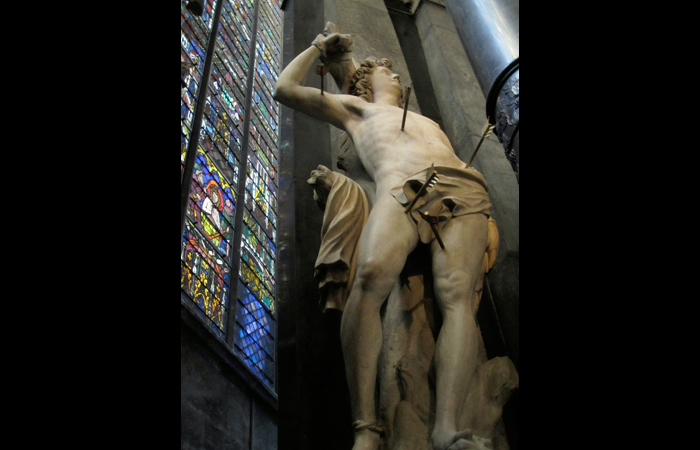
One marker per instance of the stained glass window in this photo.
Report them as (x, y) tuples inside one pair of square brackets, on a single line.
[(194, 38), (257, 293), (207, 259)]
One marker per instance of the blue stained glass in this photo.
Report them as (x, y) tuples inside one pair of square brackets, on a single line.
[(252, 339)]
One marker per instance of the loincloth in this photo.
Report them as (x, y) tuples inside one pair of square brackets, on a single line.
[(458, 192)]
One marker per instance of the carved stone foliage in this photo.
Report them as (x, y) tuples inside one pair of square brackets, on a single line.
[(508, 118)]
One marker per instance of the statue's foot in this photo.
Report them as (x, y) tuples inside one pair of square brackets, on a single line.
[(474, 443), (366, 440), (463, 440)]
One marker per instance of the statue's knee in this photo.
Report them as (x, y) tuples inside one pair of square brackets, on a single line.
[(452, 284), (374, 273), (455, 292)]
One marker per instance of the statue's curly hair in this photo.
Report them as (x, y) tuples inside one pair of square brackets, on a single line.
[(361, 85)]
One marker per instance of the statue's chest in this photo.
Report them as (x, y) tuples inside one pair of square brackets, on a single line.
[(381, 127)]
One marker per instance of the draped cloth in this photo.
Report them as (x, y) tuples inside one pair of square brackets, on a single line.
[(458, 192), (343, 220)]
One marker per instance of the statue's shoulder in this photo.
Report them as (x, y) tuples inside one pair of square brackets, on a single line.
[(354, 103)]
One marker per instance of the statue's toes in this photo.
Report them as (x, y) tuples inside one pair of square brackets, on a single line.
[(470, 443), (464, 444), (464, 434)]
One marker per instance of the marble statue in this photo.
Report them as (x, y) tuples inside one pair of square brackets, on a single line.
[(423, 193)]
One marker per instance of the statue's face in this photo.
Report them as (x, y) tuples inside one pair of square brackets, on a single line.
[(384, 80)]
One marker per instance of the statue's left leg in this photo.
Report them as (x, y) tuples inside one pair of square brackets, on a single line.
[(455, 271)]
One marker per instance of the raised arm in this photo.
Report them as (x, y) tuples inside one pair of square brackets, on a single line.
[(338, 110)]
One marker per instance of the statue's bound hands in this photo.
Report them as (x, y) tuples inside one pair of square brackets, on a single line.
[(333, 45), (337, 56)]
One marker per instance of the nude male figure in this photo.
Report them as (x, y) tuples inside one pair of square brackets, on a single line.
[(389, 156)]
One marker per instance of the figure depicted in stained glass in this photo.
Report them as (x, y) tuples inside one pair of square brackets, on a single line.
[(455, 206), (214, 200), (210, 193)]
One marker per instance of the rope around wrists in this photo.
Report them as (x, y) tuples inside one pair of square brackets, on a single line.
[(338, 60), (321, 49), (324, 57), (360, 425)]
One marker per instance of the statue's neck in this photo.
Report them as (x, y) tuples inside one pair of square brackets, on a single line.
[(385, 99)]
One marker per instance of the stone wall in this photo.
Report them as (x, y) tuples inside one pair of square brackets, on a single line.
[(222, 405)]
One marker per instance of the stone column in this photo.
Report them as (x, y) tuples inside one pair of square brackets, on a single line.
[(490, 34), (312, 389)]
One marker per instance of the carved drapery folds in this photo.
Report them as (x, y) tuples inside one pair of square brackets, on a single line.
[(345, 213), (508, 119)]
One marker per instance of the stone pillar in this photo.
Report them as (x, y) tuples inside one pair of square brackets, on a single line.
[(490, 34), (312, 390)]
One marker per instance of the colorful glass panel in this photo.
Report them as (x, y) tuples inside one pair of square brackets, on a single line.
[(221, 139), (194, 38), (258, 188), (254, 335), (257, 278), (206, 259), (204, 276), (258, 242), (258, 263), (207, 240)]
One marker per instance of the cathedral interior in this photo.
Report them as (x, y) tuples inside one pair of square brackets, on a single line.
[(262, 363)]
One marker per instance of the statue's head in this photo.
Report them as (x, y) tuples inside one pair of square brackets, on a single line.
[(375, 76)]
